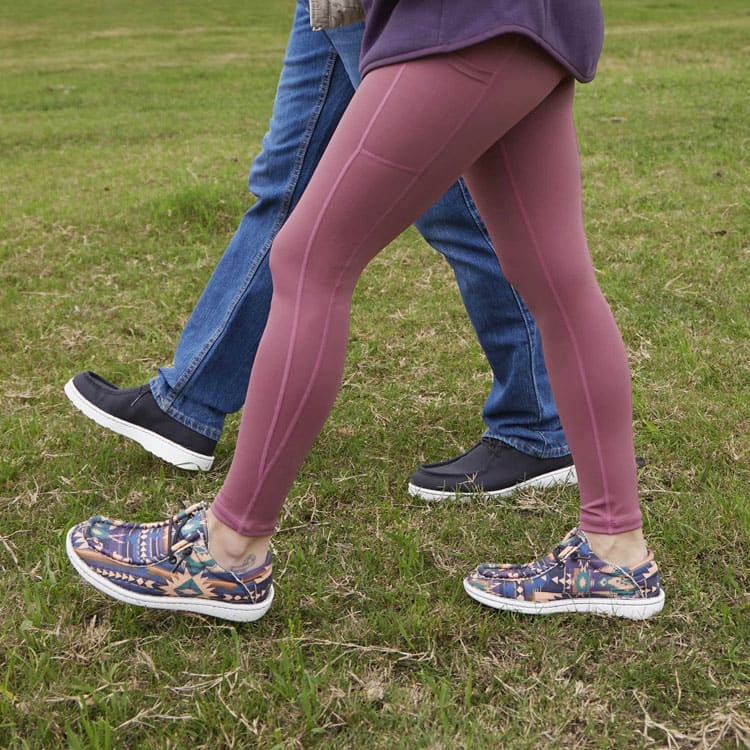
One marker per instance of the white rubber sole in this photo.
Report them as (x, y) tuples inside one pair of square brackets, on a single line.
[(632, 609), (557, 478), (159, 446), (222, 610)]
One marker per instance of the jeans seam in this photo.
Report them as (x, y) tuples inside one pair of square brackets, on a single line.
[(168, 404)]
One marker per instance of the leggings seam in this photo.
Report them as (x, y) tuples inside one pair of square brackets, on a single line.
[(387, 162), (265, 463)]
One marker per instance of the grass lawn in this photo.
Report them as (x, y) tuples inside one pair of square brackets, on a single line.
[(126, 131)]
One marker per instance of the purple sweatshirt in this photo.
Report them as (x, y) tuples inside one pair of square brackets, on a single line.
[(397, 30)]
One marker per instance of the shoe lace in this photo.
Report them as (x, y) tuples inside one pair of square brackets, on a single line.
[(180, 547), (574, 555), (556, 554), (141, 393)]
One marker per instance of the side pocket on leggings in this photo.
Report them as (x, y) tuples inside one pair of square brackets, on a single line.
[(459, 63)]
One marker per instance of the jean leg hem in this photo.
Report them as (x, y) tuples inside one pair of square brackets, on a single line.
[(165, 400), (531, 448)]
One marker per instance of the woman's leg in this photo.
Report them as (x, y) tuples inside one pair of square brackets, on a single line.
[(409, 131), (533, 173)]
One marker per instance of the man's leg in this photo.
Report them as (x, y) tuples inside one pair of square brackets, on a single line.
[(181, 415)]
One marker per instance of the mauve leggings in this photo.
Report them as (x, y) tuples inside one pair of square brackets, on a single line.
[(500, 114)]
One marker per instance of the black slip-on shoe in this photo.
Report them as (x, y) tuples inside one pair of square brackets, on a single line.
[(492, 469), (134, 414)]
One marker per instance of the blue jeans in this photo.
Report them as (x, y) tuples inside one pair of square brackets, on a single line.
[(215, 353)]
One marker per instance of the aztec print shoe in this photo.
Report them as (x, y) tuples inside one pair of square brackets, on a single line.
[(571, 578), (166, 565)]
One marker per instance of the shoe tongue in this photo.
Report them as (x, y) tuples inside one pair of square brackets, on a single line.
[(195, 526), (493, 442), (494, 446), (574, 539)]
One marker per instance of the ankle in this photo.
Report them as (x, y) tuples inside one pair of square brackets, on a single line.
[(233, 550), (626, 550)]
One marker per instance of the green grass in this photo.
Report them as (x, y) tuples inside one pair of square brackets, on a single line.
[(125, 135)]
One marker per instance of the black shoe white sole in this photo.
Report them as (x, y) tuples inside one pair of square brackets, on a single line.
[(631, 609), (557, 478), (161, 447), (222, 610)]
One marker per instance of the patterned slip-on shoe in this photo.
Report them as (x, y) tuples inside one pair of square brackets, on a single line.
[(166, 565), (571, 578)]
